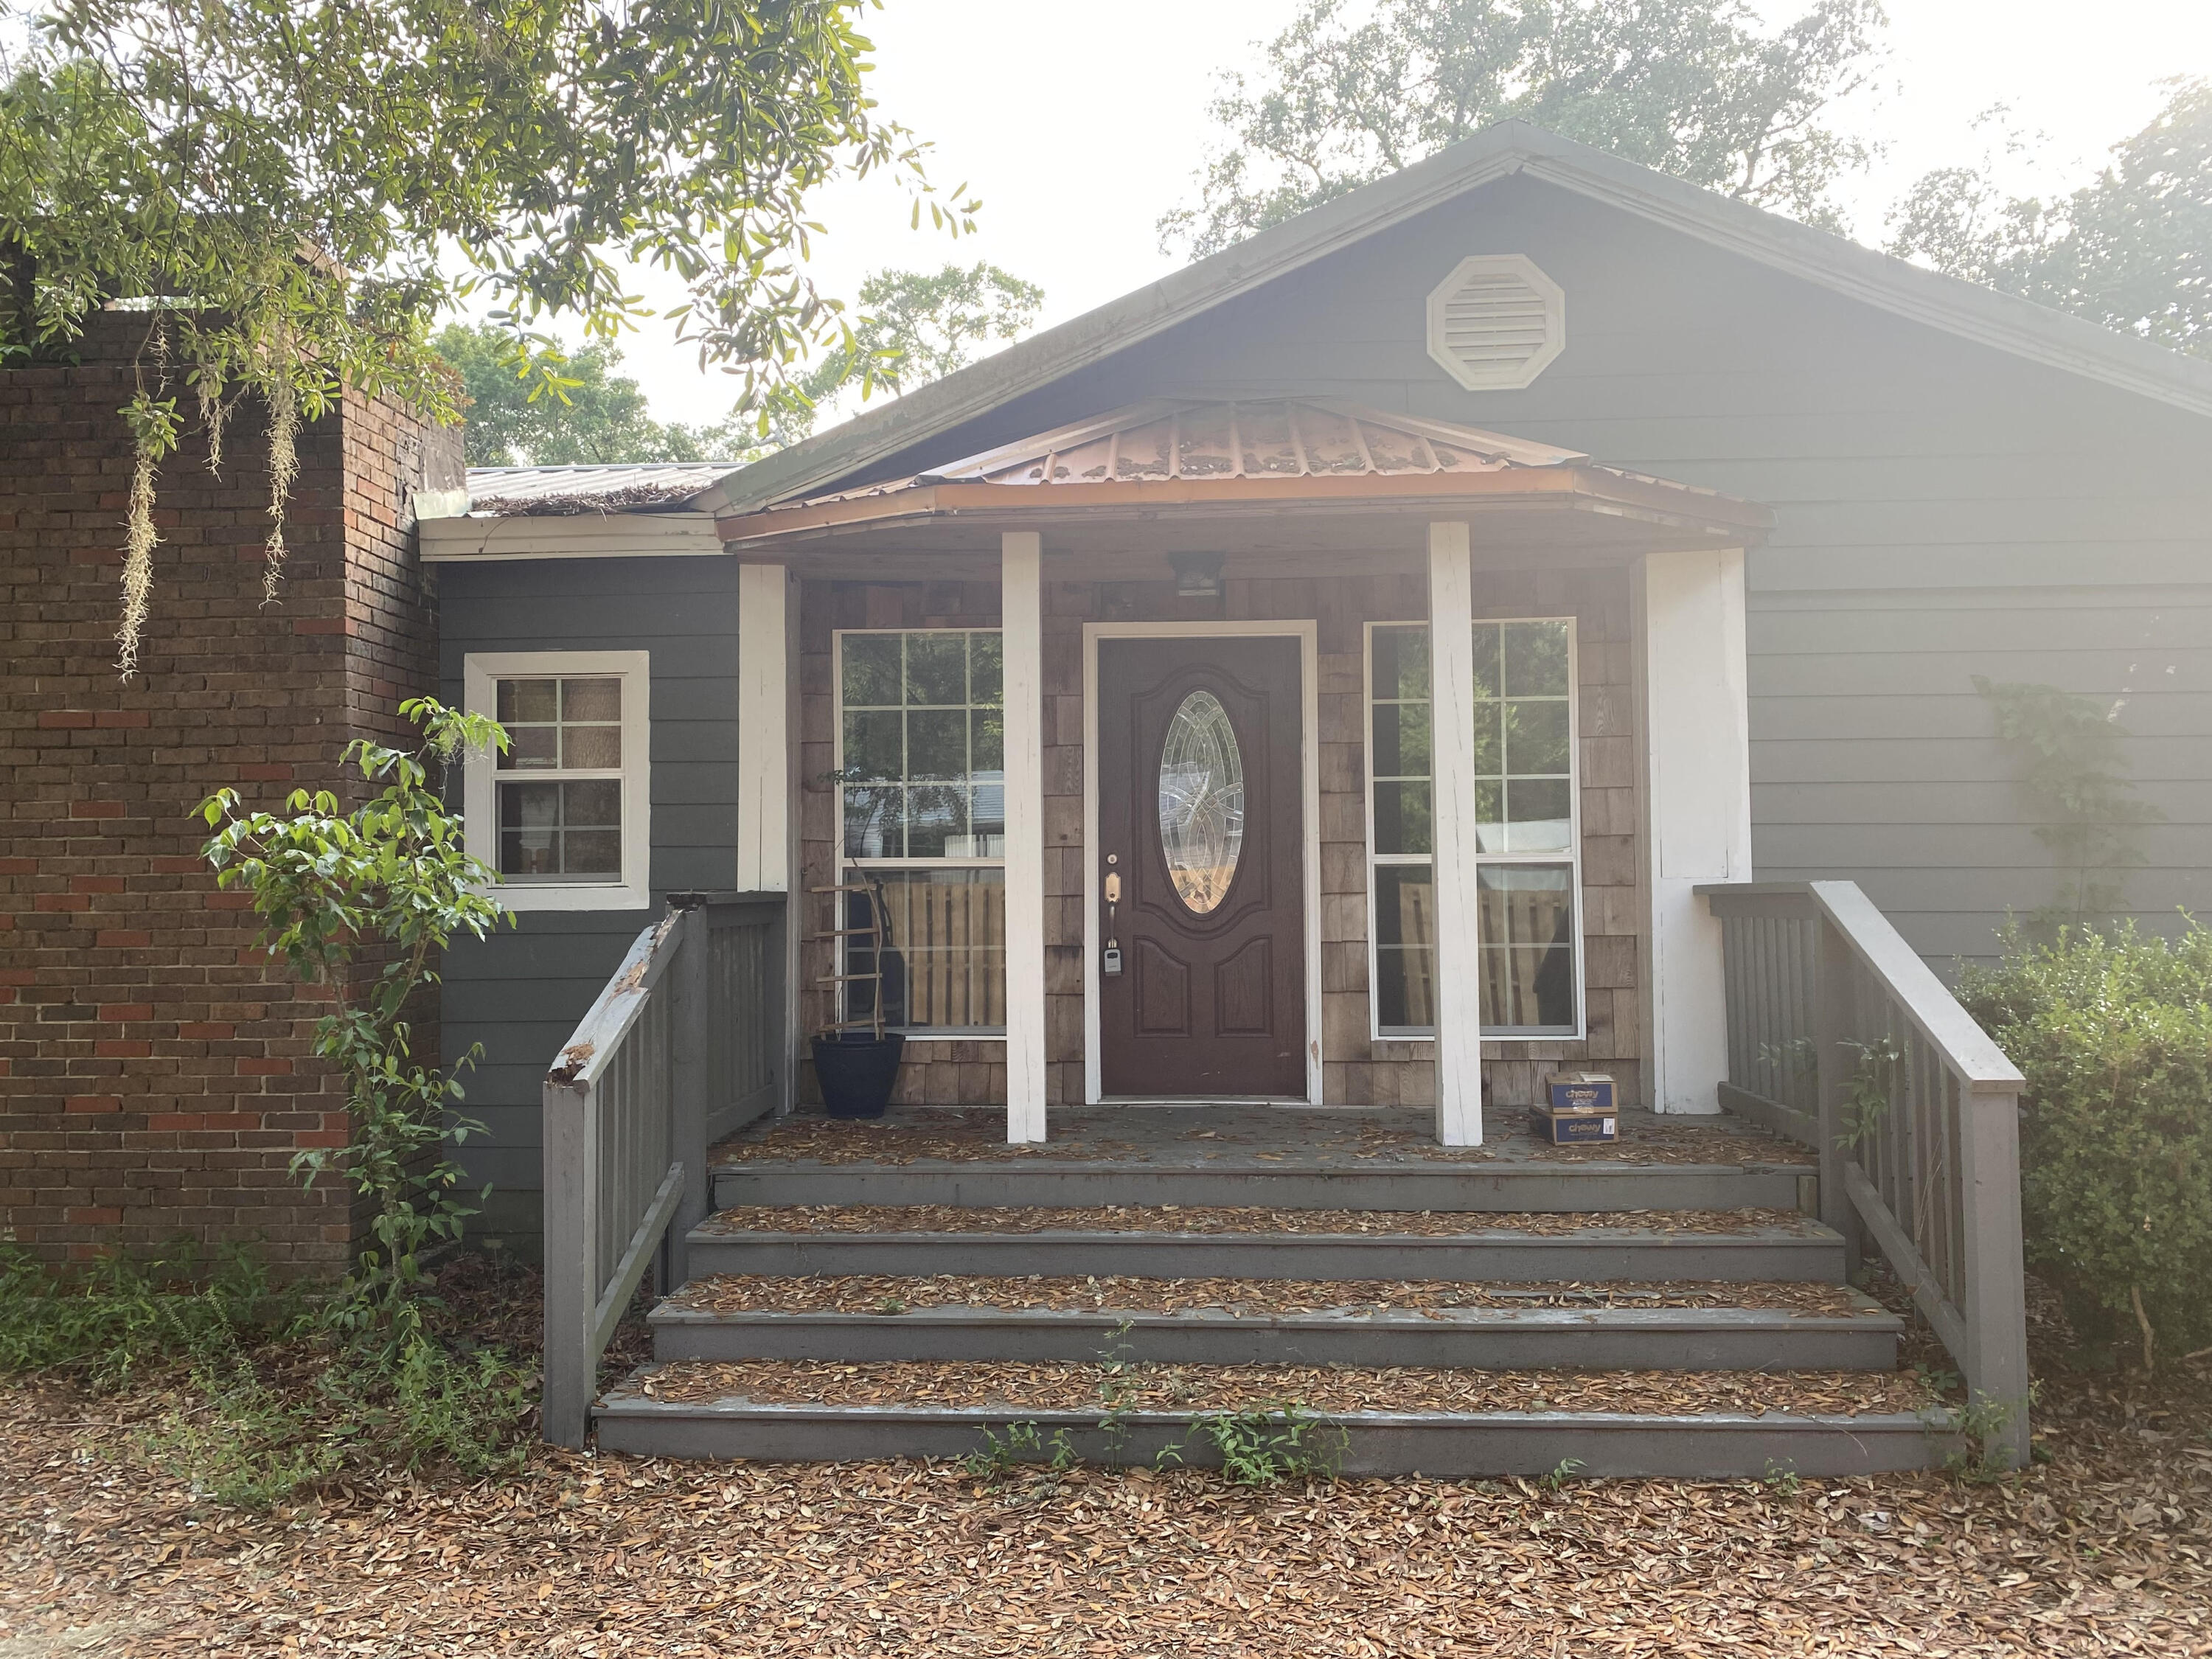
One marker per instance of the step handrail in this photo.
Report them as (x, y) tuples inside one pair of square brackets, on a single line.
[(1841, 1036), (681, 1045)]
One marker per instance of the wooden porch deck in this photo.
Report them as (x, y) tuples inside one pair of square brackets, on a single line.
[(1205, 1135)]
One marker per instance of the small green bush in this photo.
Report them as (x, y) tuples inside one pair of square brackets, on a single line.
[(2113, 1032), (1267, 1445), (260, 1391), (124, 1314)]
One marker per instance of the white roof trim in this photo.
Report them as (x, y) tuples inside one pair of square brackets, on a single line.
[(2000, 320), (484, 537)]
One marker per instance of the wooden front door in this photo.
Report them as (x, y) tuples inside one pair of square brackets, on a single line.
[(1200, 816)]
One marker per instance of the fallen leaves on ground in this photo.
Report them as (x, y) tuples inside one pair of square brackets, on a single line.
[(894, 1293), (2103, 1552), (1073, 1387), (1227, 1135), (1197, 1219)]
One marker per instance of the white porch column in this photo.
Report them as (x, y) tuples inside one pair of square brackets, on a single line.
[(1698, 811), (1022, 600), (1452, 812), (766, 751), (767, 772)]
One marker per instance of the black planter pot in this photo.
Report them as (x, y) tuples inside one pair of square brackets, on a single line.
[(857, 1070)]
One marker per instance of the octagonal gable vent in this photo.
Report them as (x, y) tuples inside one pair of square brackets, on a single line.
[(1496, 322)]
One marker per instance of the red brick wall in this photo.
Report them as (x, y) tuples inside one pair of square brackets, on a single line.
[(154, 1072)]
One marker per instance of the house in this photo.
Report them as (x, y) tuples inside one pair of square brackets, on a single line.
[(1735, 509), (1521, 617)]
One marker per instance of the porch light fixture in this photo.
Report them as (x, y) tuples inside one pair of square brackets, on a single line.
[(1198, 575)]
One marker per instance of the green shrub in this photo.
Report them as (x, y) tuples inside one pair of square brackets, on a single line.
[(2113, 1032), (1267, 1445), (126, 1314), (259, 1391)]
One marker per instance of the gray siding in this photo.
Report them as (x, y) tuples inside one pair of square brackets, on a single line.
[(521, 993), (1945, 510)]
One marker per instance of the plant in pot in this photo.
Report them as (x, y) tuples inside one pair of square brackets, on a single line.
[(856, 1061)]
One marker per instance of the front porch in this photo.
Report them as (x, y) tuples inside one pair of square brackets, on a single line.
[(1448, 861), (1263, 797), (1225, 1136), (823, 1268)]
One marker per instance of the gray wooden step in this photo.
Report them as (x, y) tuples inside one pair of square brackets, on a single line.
[(1532, 1186), (1481, 1338), (1445, 1445), (1805, 1253)]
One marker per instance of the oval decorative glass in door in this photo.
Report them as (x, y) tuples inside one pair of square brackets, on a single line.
[(1201, 801)]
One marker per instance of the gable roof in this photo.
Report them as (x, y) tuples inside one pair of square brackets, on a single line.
[(2019, 326)]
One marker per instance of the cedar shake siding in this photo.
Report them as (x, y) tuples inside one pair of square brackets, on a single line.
[(1357, 1069), (155, 1077)]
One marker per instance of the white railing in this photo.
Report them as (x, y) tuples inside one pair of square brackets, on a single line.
[(1840, 1035), (683, 1044)]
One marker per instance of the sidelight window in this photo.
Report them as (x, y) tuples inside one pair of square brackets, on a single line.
[(562, 815), (921, 807), (1527, 859)]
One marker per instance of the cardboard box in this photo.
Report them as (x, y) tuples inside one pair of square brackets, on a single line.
[(1576, 1109), (1588, 1091), (1575, 1126)]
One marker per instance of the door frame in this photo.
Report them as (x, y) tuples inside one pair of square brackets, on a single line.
[(1304, 632)]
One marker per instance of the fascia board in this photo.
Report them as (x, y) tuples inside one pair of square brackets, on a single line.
[(2005, 321), (578, 535)]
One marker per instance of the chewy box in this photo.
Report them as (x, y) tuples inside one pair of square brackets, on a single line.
[(1573, 1125), (1576, 1109), (1585, 1091)]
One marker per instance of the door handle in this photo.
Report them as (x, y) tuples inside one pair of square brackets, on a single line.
[(1109, 960)]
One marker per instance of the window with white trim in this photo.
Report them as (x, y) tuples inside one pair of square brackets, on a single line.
[(921, 808), (563, 814), (1528, 875)]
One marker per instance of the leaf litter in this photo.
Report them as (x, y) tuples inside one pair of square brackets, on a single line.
[(2102, 1553), (1250, 1218), (1045, 1385), (890, 1294), (1177, 1137), (2101, 1549)]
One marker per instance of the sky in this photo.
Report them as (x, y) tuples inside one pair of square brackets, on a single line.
[(1079, 126)]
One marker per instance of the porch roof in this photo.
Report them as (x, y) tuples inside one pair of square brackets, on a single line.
[(1185, 472)]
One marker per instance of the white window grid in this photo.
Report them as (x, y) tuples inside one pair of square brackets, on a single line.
[(481, 672), (1571, 860), (846, 864)]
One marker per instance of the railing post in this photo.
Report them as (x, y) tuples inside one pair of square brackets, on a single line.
[(1832, 990), (571, 1362), (1996, 1311), (690, 1036)]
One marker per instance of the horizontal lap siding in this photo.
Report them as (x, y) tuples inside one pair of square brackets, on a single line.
[(520, 994), (1874, 757), (1944, 510)]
